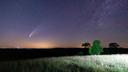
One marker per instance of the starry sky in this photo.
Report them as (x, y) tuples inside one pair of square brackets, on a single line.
[(62, 23)]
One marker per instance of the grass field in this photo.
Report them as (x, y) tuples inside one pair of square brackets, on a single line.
[(94, 63)]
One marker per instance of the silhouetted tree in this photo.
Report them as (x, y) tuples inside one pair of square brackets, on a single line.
[(86, 45), (114, 45), (96, 49)]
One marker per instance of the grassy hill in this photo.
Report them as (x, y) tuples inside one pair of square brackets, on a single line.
[(94, 63)]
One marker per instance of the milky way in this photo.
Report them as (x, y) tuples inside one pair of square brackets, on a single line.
[(62, 23)]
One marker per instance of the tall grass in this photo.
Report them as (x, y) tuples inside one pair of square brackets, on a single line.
[(111, 63)]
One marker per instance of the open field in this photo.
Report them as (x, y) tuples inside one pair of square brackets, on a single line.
[(63, 60), (94, 63)]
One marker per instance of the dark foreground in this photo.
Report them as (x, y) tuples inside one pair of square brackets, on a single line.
[(18, 54)]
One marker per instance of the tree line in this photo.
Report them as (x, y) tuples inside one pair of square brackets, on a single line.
[(110, 45)]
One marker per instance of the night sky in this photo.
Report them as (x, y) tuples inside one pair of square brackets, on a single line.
[(62, 23)]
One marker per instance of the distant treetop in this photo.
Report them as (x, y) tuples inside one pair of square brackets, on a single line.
[(114, 45), (86, 45)]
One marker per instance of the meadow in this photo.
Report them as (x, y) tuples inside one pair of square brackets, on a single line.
[(88, 63)]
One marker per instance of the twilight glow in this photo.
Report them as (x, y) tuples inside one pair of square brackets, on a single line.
[(62, 23)]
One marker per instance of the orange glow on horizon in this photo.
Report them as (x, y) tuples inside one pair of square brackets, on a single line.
[(49, 44), (40, 45)]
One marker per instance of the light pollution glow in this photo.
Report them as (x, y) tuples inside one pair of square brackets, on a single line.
[(62, 23)]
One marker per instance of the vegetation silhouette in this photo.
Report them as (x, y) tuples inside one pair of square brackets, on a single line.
[(86, 45), (114, 45)]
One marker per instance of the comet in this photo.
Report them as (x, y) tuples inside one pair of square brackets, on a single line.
[(33, 31)]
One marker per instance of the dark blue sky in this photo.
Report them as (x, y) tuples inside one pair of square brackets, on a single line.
[(62, 23)]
